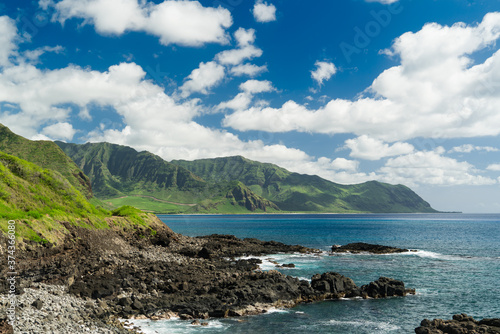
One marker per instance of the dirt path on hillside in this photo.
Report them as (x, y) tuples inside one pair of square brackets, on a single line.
[(159, 200)]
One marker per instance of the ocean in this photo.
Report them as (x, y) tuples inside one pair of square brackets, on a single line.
[(455, 269)]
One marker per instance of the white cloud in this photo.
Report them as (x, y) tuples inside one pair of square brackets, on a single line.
[(494, 167), (257, 86), (34, 55), (344, 164), (436, 92), (324, 71), (431, 168), (243, 100), (262, 12), (206, 76), (368, 148), (244, 37), (239, 102), (8, 36), (61, 131), (248, 69), (237, 56), (234, 58), (468, 148), (33, 99), (174, 22)]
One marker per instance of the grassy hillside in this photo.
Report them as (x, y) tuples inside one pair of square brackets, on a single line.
[(117, 170), (122, 176), (43, 203), (47, 155), (298, 192), (27, 190)]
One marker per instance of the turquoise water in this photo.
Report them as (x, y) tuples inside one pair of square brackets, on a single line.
[(456, 269)]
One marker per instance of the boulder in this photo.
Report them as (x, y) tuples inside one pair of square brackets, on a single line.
[(385, 287), (334, 285), (460, 324), (361, 247), (38, 304)]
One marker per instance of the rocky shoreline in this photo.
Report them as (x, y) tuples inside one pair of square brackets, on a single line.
[(99, 276), (460, 324)]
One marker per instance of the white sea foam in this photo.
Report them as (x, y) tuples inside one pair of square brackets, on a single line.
[(277, 310), (302, 278), (172, 326), (273, 261), (374, 327), (437, 256), (352, 298)]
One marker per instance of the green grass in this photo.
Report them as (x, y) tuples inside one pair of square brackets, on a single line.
[(39, 200), (147, 204), (45, 154)]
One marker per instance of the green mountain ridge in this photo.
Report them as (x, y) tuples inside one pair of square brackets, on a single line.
[(308, 193), (117, 170), (45, 154), (48, 209), (122, 176), (27, 190)]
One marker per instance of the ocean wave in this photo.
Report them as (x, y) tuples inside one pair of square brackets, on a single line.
[(277, 310), (274, 261), (174, 326), (372, 326), (438, 256), (415, 252)]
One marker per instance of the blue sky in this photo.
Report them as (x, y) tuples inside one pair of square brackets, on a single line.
[(404, 92)]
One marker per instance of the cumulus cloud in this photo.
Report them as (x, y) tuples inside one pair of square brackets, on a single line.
[(61, 131), (468, 148), (263, 12), (345, 164), (249, 88), (430, 167), (8, 36), (33, 56), (239, 102), (244, 37), (368, 148), (174, 22), (257, 86), (206, 76), (436, 91), (248, 69), (40, 95), (494, 167), (39, 104), (324, 71), (237, 56)]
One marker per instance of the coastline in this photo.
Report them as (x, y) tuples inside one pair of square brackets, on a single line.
[(91, 282)]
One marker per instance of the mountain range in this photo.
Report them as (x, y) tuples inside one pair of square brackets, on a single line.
[(110, 176), (121, 175)]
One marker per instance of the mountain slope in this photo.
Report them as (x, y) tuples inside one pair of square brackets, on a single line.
[(117, 170), (299, 192), (45, 154), (122, 176), (47, 208), (29, 190)]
